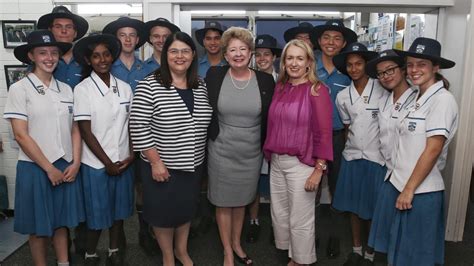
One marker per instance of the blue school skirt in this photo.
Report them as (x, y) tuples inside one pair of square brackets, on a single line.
[(358, 186), (107, 198), (40, 207)]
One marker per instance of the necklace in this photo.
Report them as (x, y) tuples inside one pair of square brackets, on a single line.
[(246, 84)]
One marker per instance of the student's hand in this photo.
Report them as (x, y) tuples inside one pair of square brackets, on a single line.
[(112, 169), (123, 165), (159, 172), (404, 200), (71, 171), (313, 180), (55, 176)]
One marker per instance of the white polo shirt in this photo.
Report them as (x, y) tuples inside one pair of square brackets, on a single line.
[(390, 113), (48, 111), (108, 110), (434, 114), (360, 112)]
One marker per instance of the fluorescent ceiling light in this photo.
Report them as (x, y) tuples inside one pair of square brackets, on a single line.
[(278, 12), (109, 8), (233, 12)]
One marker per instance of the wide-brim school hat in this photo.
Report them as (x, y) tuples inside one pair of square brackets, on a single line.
[(113, 43), (267, 41), (427, 48), (162, 22), (209, 25), (80, 23), (39, 38), (123, 22), (303, 27), (354, 48), (387, 55), (333, 25)]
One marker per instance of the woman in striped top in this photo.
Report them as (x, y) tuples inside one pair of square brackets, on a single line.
[(169, 117)]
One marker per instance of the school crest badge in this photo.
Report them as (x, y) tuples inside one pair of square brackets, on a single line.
[(411, 126), (420, 48), (375, 113), (70, 109)]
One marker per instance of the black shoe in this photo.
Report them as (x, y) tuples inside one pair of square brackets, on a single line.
[(253, 233), (333, 249), (245, 260), (366, 262), (148, 244), (116, 259), (92, 261), (353, 259)]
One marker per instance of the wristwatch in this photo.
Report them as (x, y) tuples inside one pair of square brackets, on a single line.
[(321, 166)]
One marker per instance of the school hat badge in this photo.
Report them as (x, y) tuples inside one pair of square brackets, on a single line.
[(209, 25), (426, 48), (267, 41), (79, 50), (162, 22), (353, 48), (387, 55), (333, 25), (39, 38), (123, 22), (80, 23)]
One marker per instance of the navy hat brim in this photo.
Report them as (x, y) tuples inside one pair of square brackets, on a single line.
[(153, 23), (275, 50), (21, 52), (138, 25), (81, 25), (114, 44), (442, 62), (371, 67), (201, 33), (292, 32), (349, 35), (340, 59)]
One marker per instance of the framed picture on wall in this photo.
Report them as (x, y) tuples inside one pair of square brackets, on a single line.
[(14, 73), (15, 32)]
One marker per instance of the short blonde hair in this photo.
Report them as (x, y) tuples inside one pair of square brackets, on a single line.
[(238, 33)]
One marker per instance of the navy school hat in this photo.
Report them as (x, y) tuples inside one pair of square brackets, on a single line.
[(113, 43), (209, 25), (267, 41), (353, 48), (427, 48), (387, 55), (333, 25), (303, 27), (162, 22), (123, 22), (39, 38), (80, 23)]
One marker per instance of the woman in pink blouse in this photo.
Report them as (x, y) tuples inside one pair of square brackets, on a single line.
[(299, 144)]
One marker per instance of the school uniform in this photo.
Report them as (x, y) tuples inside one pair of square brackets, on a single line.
[(390, 113), (40, 207), (107, 198), (362, 168), (417, 235), (132, 76), (204, 65), (151, 63), (69, 73)]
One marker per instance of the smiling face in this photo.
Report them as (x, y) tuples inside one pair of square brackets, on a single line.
[(296, 63), (238, 54), (331, 43), (101, 59), (394, 80), (212, 42), (158, 35), (180, 57), (355, 67), (265, 59), (45, 58), (421, 72), (129, 38), (63, 30)]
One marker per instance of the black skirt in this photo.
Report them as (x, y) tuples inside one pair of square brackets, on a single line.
[(173, 203)]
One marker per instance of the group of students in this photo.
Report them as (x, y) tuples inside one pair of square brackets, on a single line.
[(93, 122)]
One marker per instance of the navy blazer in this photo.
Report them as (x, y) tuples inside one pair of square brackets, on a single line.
[(214, 78)]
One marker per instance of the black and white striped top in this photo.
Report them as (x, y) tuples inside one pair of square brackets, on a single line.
[(159, 118)]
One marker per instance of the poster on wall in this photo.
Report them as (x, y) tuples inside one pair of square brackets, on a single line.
[(15, 32), (14, 73)]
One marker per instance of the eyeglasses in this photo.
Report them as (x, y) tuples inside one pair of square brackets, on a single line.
[(387, 72), (61, 27), (183, 52)]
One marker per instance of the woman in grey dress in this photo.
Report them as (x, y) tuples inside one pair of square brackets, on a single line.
[(240, 98)]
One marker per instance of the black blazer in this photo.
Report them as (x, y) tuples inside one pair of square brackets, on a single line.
[(214, 78)]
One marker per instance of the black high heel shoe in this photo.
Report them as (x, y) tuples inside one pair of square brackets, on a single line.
[(245, 260)]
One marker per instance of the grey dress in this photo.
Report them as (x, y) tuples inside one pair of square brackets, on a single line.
[(235, 157)]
